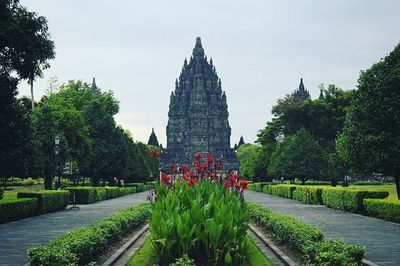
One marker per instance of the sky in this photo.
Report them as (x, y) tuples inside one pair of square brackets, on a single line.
[(260, 49)]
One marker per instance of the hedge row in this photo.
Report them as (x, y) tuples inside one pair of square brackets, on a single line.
[(383, 209), (310, 195), (285, 191), (16, 209), (350, 200), (345, 199), (82, 245), (48, 200), (258, 186), (306, 239), (87, 195)]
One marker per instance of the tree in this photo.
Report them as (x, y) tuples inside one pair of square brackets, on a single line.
[(370, 141), (25, 45), (247, 155), (14, 131), (298, 156)]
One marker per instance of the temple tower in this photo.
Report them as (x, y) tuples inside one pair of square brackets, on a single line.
[(198, 115)]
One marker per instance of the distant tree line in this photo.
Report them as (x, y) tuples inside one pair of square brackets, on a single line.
[(340, 133), (80, 117)]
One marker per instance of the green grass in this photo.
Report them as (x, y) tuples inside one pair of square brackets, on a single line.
[(11, 192), (146, 255), (391, 188)]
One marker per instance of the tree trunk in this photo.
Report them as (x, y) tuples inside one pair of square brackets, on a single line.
[(397, 180), (303, 181), (48, 183), (32, 98)]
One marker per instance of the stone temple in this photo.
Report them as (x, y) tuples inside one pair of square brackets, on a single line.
[(198, 116)]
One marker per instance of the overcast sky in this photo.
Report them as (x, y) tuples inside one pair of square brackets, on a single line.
[(261, 49)]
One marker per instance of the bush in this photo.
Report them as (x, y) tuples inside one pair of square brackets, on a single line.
[(16, 209), (205, 221), (139, 186), (383, 209), (256, 187), (285, 229), (306, 194), (333, 252), (48, 200), (28, 182), (80, 246), (306, 239), (1, 193), (285, 191), (87, 195), (349, 199)]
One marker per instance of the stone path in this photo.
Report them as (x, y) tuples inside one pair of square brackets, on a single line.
[(381, 238), (16, 237)]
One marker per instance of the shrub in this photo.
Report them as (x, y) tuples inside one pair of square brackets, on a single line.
[(87, 195), (285, 229), (83, 195), (82, 245), (349, 199), (333, 252), (256, 187), (285, 191), (48, 200), (16, 209), (139, 186), (306, 239), (28, 182), (383, 209), (308, 194), (205, 221), (1, 193)]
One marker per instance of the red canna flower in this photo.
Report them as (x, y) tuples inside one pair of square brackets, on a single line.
[(237, 185), (244, 184), (198, 156), (227, 184)]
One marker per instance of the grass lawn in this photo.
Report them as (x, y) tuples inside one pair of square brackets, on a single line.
[(391, 188), (11, 192), (146, 255)]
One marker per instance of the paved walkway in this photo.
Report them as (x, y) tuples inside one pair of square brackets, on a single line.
[(16, 237), (381, 238)]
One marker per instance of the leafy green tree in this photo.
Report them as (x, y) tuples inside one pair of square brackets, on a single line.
[(15, 136), (247, 155), (25, 45), (370, 141), (298, 156)]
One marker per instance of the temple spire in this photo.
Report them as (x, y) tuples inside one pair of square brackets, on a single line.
[(198, 51), (302, 93), (153, 139), (94, 86)]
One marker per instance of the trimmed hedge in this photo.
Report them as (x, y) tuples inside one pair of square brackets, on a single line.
[(285, 191), (308, 194), (139, 186), (48, 200), (87, 195), (16, 209), (349, 199), (1, 193), (82, 245), (383, 209), (306, 239), (258, 186)]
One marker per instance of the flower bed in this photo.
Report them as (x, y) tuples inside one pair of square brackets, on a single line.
[(80, 246), (16, 209), (383, 209), (305, 239), (48, 200)]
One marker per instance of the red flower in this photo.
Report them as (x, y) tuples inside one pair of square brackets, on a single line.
[(227, 184), (244, 184), (172, 168), (237, 185), (210, 159), (218, 166), (213, 176), (198, 156)]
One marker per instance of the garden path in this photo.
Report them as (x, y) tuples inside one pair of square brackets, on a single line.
[(16, 237), (381, 238)]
